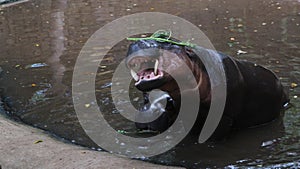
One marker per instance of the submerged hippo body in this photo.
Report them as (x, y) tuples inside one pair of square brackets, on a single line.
[(255, 95)]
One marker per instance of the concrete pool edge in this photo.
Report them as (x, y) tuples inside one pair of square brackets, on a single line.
[(20, 148)]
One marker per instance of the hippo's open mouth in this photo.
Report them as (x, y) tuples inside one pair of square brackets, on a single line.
[(146, 73)]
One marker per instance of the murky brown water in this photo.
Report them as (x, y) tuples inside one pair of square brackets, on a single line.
[(53, 32)]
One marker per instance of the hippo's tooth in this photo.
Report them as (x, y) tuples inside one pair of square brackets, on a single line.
[(134, 75), (155, 67)]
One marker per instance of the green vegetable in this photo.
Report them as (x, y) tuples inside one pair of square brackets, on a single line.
[(163, 36)]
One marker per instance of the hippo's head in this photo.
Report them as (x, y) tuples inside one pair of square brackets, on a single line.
[(152, 63)]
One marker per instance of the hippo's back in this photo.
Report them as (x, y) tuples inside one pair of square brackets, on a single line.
[(264, 95)]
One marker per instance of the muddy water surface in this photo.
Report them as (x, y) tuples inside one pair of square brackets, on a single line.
[(41, 40)]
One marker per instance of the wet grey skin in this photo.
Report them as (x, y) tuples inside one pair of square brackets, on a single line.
[(255, 95)]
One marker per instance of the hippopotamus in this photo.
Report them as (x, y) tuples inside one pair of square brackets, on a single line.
[(255, 95)]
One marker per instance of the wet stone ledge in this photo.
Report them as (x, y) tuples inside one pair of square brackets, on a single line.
[(26, 147)]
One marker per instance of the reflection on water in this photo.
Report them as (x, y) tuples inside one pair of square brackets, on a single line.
[(53, 32)]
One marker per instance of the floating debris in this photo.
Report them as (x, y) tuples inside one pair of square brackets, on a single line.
[(39, 95), (38, 141), (291, 153), (240, 25), (293, 85), (231, 44), (236, 25), (240, 52), (136, 99), (267, 143), (35, 65), (106, 85), (122, 131)]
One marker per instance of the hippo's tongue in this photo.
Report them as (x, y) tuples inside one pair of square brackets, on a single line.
[(148, 76)]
